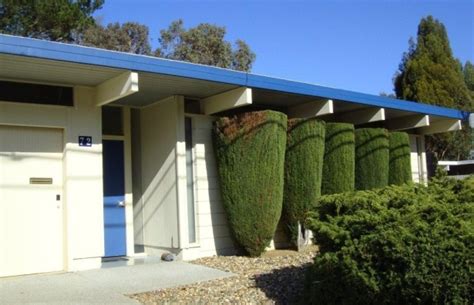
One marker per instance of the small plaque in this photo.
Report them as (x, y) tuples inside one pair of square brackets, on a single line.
[(41, 180), (85, 141)]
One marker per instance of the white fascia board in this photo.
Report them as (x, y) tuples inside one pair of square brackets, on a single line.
[(227, 100), (408, 122), (456, 163), (362, 116), (311, 109), (116, 88), (443, 125)]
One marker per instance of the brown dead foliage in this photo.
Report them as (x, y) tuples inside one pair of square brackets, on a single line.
[(242, 124)]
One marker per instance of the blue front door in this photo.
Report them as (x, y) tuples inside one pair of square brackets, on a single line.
[(114, 198)]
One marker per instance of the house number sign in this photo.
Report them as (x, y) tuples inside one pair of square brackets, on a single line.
[(85, 141)]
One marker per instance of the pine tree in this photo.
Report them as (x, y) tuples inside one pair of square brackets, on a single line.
[(468, 71), (59, 20), (131, 37), (204, 44), (429, 73)]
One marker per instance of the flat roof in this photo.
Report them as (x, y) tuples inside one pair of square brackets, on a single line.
[(34, 48)]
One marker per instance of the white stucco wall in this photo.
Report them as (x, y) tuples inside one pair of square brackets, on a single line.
[(82, 167), (418, 159), (155, 179), (213, 234)]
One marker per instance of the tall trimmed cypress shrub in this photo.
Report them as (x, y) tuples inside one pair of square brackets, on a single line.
[(339, 159), (250, 153), (372, 157), (303, 171), (399, 163)]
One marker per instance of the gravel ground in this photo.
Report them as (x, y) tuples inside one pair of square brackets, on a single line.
[(275, 278)]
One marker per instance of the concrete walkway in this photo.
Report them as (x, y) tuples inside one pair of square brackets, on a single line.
[(102, 286)]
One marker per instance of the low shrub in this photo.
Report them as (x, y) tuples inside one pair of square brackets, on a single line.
[(371, 158), (339, 162), (407, 244), (250, 154), (303, 170), (399, 158)]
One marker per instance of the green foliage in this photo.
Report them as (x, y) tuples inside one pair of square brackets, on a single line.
[(130, 37), (407, 244), (250, 154), (429, 73), (303, 170), (468, 72), (339, 162), (58, 20), (72, 21), (399, 163), (371, 158), (204, 44)]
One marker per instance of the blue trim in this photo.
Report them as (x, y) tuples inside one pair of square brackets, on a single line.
[(78, 54), (263, 82)]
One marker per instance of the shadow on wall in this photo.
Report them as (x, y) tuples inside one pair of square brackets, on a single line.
[(208, 198), (154, 188)]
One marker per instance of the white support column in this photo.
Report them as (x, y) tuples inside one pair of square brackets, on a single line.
[(227, 100), (127, 128), (116, 88), (408, 122), (362, 116), (311, 109), (181, 175), (443, 125)]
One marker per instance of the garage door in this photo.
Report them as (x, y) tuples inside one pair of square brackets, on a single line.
[(30, 200)]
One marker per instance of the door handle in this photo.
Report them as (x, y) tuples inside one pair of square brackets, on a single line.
[(121, 203)]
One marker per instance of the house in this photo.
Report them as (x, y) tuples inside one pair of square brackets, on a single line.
[(458, 169), (106, 154)]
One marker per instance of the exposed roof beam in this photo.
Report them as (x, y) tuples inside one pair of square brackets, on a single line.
[(442, 125), (408, 122), (116, 88), (227, 100), (311, 109), (361, 116)]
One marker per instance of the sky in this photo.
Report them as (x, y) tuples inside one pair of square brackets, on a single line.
[(354, 45)]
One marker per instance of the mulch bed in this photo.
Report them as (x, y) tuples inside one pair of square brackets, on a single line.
[(275, 278)]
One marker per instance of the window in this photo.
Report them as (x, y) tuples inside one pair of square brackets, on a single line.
[(112, 121), (36, 94), (190, 179)]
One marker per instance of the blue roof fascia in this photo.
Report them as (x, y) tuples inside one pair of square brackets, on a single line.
[(84, 55), (263, 82), (93, 56)]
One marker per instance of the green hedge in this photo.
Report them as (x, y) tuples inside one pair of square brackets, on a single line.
[(399, 164), (407, 244), (371, 158), (339, 162), (303, 170), (250, 153)]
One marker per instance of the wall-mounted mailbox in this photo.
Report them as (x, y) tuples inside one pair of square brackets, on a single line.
[(41, 180)]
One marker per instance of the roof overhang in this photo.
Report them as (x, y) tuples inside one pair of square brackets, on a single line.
[(137, 81)]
